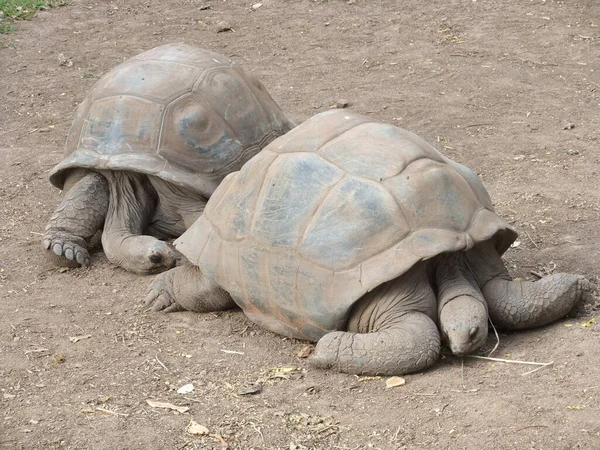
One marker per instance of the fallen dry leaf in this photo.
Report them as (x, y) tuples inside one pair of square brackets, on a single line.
[(155, 404), (394, 382), (305, 351), (186, 389), (197, 429), (589, 322)]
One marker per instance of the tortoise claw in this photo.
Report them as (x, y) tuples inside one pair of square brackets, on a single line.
[(66, 250), (160, 294)]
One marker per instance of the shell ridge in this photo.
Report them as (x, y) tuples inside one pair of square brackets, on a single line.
[(340, 134), (473, 217), (241, 274), (206, 243), (172, 61), (127, 94), (250, 149), (221, 200), (260, 194), (163, 119), (314, 213), (249, 88), (407, 166), (209, 75)]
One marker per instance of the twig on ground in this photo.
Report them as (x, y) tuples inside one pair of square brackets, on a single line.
[(103, 410), (532, 241), (510, 361), (497, 338), (160, 362), (535, 370)]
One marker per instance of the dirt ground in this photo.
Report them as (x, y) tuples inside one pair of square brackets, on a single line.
[(512, 89)]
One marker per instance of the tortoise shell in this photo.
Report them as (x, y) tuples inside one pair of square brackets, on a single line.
[(330, 211), (184, 114)]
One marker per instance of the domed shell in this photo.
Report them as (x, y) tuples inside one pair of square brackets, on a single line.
[(184, 114), (328, 212)]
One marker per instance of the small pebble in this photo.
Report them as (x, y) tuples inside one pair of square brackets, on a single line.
[(341, 104), (572, 152), (569, 126), (223, 27)]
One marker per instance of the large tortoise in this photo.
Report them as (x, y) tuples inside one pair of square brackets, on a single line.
[(148, 146), (353, 233)]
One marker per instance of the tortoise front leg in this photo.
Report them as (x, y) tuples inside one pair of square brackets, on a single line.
[(131, 207), (516, 304), (391, 331), (185, 288), (77, 219)]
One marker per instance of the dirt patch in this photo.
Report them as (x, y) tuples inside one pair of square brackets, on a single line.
[(512, 90)]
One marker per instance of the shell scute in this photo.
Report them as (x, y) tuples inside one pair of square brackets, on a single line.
[(293, 188), (315, 134), (126, 126), (434, 195), (238, 200), (359, 218), (225, 89), (254, 274), (158, 81), (390, 151), (195, 138)]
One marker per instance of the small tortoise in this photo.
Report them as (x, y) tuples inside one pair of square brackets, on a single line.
[(353, 233), (148, 146)]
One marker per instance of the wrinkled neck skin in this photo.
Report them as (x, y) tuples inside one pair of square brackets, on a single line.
[(383, 307), (178, 207)]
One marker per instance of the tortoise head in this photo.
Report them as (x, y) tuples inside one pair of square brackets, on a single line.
[(463, 322)]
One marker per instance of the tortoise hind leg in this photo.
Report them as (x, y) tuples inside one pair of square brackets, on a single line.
[(186, 288), (391, 331), (77, 219), (131, 207)]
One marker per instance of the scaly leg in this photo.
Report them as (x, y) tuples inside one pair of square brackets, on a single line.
[(516, 304), (391, 331), (77, 219)]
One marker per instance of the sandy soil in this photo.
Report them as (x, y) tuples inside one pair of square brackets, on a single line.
[(511, 89)]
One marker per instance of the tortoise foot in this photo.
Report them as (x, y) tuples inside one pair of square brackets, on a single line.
[(66, 249), (160, 296)]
